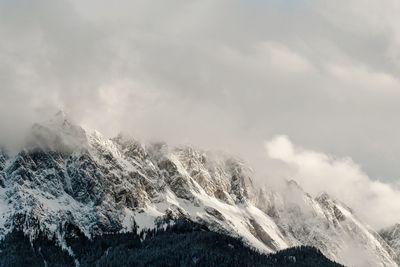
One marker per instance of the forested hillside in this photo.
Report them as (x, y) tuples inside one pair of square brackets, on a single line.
[(183, 244)]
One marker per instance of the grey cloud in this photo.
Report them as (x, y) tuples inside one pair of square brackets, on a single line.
[(220, 74), (375, 202)]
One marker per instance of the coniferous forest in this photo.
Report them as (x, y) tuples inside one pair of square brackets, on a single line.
[(182, 244)]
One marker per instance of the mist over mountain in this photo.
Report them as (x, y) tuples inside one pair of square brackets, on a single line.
[(269, 124), (68, 182)]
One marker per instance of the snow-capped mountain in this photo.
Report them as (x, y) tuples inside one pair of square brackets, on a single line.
[(70, 176)]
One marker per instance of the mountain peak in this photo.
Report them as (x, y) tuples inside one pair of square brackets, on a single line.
[(70, 176), (58, 133), (60, 118), (60, 113)]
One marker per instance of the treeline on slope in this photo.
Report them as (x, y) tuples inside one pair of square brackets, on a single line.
[(182, 244)]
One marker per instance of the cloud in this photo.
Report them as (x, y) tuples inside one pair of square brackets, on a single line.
[(362, 78), (220, 74), (283, 58), (374, 201)]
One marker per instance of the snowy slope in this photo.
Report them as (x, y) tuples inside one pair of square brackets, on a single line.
[(69, 176), (325, 223), (392, 236)]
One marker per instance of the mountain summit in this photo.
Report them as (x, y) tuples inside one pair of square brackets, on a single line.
[(69, 178)]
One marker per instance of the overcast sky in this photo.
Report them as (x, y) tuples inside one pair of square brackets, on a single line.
[(223, 74)]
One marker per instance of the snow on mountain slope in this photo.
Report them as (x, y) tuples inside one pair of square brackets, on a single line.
[(327, 224), (392, 236), (69, 176)]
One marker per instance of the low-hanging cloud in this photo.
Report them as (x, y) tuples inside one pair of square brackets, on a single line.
[(220, 74), (374, 201)]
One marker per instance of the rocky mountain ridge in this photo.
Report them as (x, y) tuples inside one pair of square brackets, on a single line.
[(66, 175)]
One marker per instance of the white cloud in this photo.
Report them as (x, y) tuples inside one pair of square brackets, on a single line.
[(363, 78), (282, 58), (376, 202)]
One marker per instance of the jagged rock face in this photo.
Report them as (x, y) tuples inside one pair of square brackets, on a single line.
[(3, 159), (225, 178), (392, 236), (327, 224), (69, 177), (51, 173)]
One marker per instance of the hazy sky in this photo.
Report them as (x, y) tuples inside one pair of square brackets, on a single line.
[(223, 74)]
